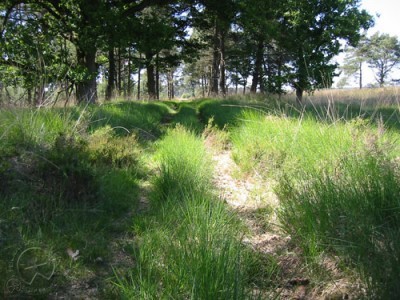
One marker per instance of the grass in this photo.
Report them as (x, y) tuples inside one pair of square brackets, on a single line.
[(353, 212), (143, 119), (58, 177), (187, 116), (338, 184), (189, 245), (71, 179)]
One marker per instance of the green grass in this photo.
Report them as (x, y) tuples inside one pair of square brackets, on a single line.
[(226, 113), (58, 191), (72, 178), (126, 117), (187, 116), (189, 245), (352, 211), (338, 184), (273, 144)]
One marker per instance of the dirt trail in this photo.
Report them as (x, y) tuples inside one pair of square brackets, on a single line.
[(255, 202)]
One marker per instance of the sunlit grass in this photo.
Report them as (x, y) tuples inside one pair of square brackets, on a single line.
[(338, 184), (189, 245)]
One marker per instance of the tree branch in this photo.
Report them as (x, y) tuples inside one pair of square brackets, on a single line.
[(6, 17), (144, 4)]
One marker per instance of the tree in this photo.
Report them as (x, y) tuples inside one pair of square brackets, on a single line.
[(258, 20), (161, 38), (383, 54), (33, 56), (212, 21), (353, 62), (311, 32), (85, 25)]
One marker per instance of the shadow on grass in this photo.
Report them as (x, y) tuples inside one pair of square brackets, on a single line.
[(187, 116), (143, 119), (72, 208)]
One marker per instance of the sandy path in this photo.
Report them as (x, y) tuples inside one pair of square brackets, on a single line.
[(252, 198)]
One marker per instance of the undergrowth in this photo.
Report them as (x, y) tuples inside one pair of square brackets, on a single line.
[(58, 192), (69, 180)]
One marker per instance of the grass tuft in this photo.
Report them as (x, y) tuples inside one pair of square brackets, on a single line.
[(189, 246)]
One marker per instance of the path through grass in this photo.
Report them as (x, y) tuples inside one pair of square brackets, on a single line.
[(131, 186)]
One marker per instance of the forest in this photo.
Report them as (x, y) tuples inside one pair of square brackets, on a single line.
[(53, 50), (194, 149)]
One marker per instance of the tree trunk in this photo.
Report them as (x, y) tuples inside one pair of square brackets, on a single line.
[(203, 91), (86, 90), (40, 94), (139, 70), (119, 81), (222, 82), (170, 79), (299, 95), (215, 62), (257, 73), (111, 74), (361, 76), (29, 96), (129, 88), (151, 83), (157, 78), (381, 78)]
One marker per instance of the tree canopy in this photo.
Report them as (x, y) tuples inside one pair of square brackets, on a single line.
[(72, 46)]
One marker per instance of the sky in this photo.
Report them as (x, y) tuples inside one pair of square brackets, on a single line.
[(388, 11), (387, 20)]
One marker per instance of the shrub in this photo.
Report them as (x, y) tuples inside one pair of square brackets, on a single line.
[(113, 151)]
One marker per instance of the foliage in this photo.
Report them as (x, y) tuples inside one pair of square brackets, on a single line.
[(58, 192), (313, 30), (383, 55)]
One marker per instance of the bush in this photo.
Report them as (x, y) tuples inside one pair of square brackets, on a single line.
[(113, 151)]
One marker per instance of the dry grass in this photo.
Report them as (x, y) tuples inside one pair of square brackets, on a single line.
[(367, 97)]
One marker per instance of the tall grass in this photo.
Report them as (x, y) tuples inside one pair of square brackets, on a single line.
[(188, 244), (339, 188), (185, 167), (353, 211), (273, 144)]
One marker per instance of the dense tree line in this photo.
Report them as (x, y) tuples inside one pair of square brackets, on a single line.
[(68, 46)]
